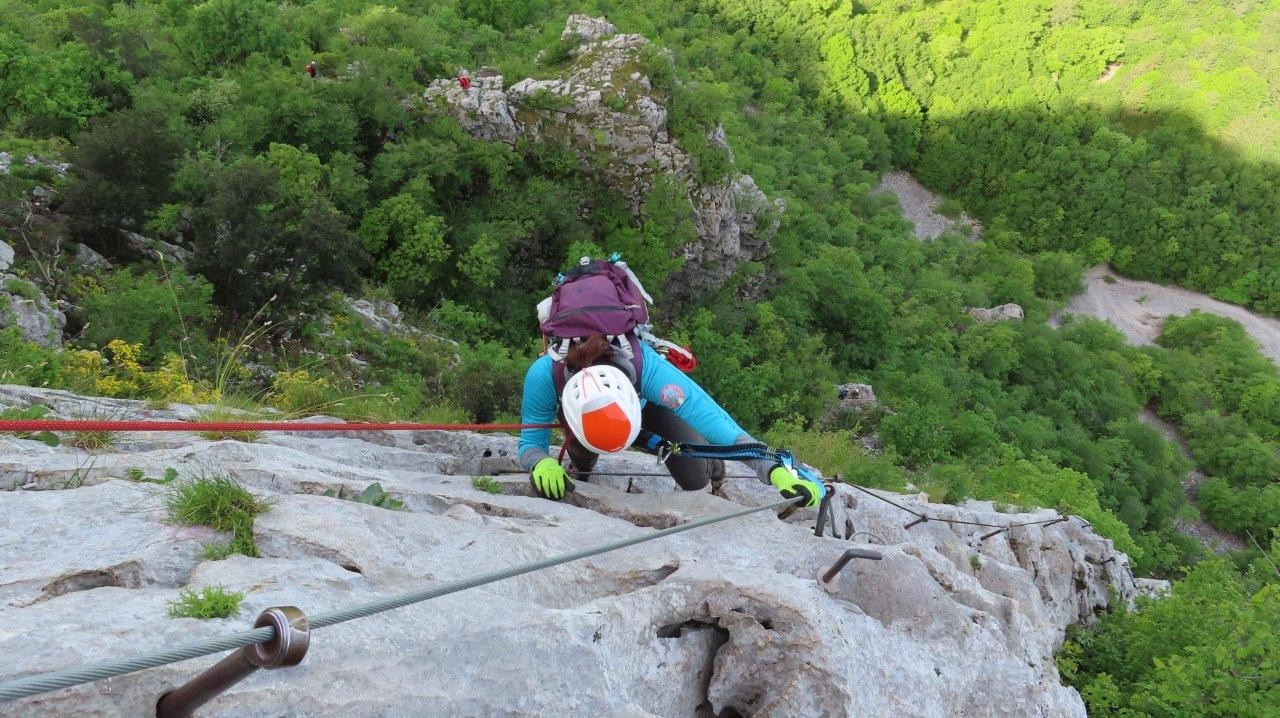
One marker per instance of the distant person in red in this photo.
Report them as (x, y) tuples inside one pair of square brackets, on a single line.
[(311, 68), (464, 82)]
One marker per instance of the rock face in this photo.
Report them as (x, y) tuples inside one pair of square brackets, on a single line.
[(24, 306), (1002, 313), (89, 258), (722, 620), (605, 105), (6, 256), (584, 28)]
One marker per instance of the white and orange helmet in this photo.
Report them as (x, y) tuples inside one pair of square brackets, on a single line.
[(601, 408)]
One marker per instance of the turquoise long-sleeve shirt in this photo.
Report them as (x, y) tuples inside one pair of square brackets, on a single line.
[(660, 382)]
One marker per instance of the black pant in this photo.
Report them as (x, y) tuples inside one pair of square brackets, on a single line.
[(692, 474)]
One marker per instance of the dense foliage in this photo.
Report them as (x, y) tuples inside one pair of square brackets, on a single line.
[(1225, 398), (1207, 650), (1138, 132), (1077, 131)]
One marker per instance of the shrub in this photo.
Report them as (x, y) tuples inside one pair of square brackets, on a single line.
[(208, 602), (260, 247), (162, 314), (489, 381), (1207, 649), (559, 52), (950, 207), (117, 371), (121, 169), (297, 393), (1058, 274), (23, 362), (218, 502)]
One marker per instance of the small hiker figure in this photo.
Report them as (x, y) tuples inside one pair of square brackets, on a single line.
[(464, 82), (311, 68)]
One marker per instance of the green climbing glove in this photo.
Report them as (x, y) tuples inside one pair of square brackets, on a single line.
[(549, 479), (791, 485)]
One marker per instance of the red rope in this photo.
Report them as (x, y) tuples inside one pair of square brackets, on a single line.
[(11, 425)]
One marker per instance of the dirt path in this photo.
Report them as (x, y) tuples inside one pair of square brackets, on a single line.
[(1138, 309), (1208, 535), (920, 206)]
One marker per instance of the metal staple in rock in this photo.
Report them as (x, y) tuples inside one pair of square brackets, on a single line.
[(34, 685)]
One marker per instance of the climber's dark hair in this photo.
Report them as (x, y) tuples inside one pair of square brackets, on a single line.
[(587, 352)]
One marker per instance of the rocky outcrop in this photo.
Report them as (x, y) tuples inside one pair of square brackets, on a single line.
[(1002, 313), (605, 105), (724, 620), (584, 29), (854, 397), (89, 259), (156, 249), (24, 306)]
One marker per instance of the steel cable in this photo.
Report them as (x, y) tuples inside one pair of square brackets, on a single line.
[(43, 683)]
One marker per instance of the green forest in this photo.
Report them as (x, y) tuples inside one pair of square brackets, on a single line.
[(1136, 133)]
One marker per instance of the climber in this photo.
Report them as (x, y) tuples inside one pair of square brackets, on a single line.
[(464, 82), (311, 68), (614, 390)]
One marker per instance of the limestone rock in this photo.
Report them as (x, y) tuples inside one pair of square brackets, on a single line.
[(89, 258), (726, 619), (31, 312), (857, 396), (585, 28), (1004, 312), (59, 168), (377, 315), (156, 249), (6, 164), (6, 256), (605, 103)]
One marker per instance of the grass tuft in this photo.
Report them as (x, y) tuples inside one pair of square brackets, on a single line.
[(217, 551), (92, 440), (486, 483), (219, 503), (208, 602), (226, 413)]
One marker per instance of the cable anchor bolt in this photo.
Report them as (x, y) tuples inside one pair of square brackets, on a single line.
[(286, 648)]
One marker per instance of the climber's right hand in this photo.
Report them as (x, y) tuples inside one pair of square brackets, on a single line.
[(549, 479), (791, 484)]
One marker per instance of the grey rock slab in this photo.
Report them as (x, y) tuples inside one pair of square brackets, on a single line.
[(6, 256), (728, 616), (113, 534)]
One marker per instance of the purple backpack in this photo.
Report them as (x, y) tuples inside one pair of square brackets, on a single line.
[(596, 297), (599, 297)]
